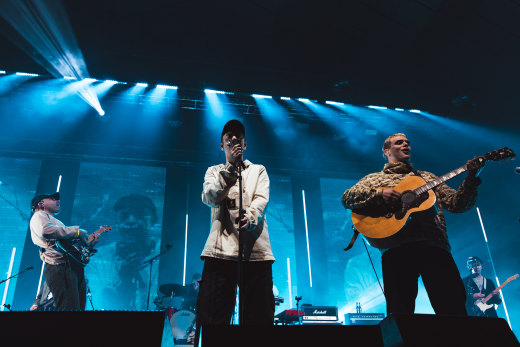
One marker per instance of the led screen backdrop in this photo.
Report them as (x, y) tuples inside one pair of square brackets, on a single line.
[(281, 233), (19, 178), (130, 199)]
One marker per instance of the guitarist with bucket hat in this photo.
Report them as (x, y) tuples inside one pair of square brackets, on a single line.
[(65, 277)]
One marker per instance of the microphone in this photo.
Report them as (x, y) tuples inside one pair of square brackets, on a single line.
[(232, 143), (517, 169)]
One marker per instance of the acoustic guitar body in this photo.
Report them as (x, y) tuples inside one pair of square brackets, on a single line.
[(388, 225)]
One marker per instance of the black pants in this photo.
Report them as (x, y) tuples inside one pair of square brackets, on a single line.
[(67, 285), (402, 267), (216, 299)]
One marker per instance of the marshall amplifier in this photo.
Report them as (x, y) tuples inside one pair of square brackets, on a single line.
[(364, 318), (320, 314)]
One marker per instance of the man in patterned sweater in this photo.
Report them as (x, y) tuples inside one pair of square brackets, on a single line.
[(421, 247)]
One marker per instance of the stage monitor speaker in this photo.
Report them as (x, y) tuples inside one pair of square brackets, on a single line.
[(431, 330), (81, 328)]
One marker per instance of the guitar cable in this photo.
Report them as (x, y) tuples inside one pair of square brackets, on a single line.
[(374, 268)]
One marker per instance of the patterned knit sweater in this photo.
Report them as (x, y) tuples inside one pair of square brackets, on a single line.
[(366, 197)]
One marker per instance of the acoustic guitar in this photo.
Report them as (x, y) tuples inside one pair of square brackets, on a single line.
[(416, 195), (78, 249)]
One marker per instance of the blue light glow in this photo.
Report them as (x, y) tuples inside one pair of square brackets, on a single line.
[(2, 72), (414, 111), (335, 103), (113, 82), (285, 98), (27, 74), (377, 107), (101, 112), (399, 109), (70, 78), (140, 84), (91, 80), (212, 91), (164, 86), (260, 96), (303, 100)]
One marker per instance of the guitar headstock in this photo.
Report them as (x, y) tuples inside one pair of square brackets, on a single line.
[(499, 154)]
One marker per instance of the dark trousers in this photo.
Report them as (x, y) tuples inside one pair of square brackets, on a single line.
[(402, 267), (216, 299), (67, 284)]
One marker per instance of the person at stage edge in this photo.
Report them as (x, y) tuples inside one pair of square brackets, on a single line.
[(44, 300), (65, 277), (216, 298), (421, 247), (477, 288)]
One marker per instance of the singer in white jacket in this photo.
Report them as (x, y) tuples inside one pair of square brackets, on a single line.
[(216, 299)]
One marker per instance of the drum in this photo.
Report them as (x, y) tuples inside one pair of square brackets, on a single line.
[(167, 302), (182, 323)]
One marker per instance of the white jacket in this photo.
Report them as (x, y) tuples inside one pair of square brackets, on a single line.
[(45, 230), (222, 241)]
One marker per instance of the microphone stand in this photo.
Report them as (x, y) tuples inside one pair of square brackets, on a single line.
[(143, 264), (89, 296), (240, 274), (16, 275)]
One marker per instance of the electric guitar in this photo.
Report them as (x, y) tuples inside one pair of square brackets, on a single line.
[(416, 195), (481, 305), (78, 249)]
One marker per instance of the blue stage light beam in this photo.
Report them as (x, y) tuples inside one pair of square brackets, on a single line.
[(48, 38), (277, 117)]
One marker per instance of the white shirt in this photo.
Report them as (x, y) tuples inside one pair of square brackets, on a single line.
[(45, 230), (222, 241)]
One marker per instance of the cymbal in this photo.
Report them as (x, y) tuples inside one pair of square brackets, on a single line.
[(176, 289)]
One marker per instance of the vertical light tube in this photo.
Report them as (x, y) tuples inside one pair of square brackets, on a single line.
[(41, 277), (59, 184), (289, 281), (6, 289), (493, 266), (307, 236), (185, 251)]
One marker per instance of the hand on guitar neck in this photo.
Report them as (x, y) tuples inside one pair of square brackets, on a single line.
[(475, 166)]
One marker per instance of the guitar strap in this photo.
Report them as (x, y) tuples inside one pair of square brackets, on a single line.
[(353, 239)]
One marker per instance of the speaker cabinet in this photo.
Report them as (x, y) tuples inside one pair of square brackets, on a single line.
[(432, 330), (81, 328)]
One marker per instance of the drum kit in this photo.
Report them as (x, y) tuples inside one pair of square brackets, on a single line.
[(179, 302)]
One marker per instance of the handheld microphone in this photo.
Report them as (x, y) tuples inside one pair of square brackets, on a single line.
[(232, 143)]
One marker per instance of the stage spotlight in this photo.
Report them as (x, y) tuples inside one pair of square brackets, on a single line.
[(112, 82), (303, 100), (164, 86), (260, 96), (2, 72), (27, 74), (140, 84), (101, 113), (212, 91), (285, 98), (335, 103), (91, 80), (377, 107), (70, 78), (399, 109), (46, 35), (414, 111)]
